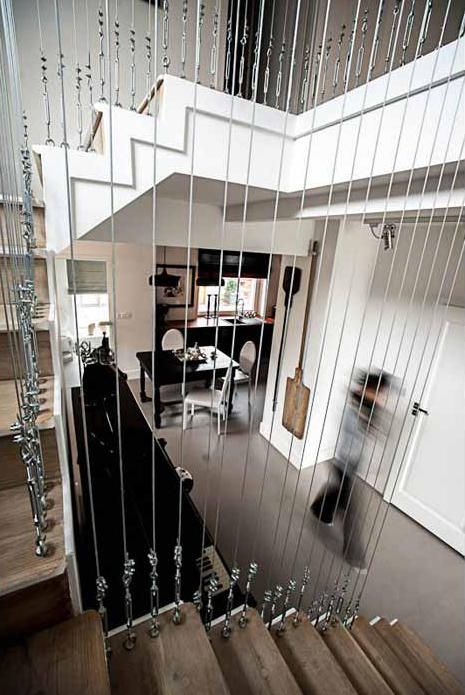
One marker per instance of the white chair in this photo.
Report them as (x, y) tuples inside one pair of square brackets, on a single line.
[(247, 359), (173, 339), (214, 399)]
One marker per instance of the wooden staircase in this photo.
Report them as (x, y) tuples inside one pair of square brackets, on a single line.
[(378, 659), (66, 659), (34, 591)]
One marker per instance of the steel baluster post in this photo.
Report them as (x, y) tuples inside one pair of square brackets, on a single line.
[(251, 574), (226, 631)]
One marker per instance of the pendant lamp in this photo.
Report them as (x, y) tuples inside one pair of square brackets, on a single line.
[(164, 279)]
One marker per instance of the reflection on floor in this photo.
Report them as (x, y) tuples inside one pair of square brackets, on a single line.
[(414, 576)]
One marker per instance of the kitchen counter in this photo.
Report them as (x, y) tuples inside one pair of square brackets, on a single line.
[(223, 322), (199, 322)]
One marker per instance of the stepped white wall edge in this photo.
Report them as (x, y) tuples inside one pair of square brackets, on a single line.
[(262, 134)]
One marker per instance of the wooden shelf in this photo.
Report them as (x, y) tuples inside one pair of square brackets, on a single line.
[(9, 405)]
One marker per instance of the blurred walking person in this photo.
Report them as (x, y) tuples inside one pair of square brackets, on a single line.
[(363, 418)]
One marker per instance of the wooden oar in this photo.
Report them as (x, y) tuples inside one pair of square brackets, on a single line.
[(297, 394)]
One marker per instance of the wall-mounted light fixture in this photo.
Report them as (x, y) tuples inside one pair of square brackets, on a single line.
[(387, 235)]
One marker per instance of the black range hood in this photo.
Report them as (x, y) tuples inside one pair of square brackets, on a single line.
[(254, 265)]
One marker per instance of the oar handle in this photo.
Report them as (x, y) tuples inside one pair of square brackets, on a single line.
[(311, 282)]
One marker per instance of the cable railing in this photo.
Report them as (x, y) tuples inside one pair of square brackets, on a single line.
[(356, 48), (293, 59)]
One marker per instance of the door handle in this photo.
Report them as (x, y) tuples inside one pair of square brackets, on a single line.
[(416, 409)]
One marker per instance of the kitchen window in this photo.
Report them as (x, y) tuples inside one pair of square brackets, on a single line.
[(250, 291)]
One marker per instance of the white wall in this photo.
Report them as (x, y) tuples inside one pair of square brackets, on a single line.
[(133, 295), (134, 222), (337, 262), (26, 22), (386, 337)]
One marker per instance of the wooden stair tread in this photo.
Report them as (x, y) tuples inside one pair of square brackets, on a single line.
[(38, 213), (44, 352), (410, 636), (20, 565), (418, 663), (67, 658), (353, 660), (384, 659), (8, 274), (9, 404), (314, 667), (12, 471), (44, 317), (180, 661), (250, 660)]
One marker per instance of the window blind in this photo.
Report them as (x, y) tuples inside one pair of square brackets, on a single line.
[(90, 277)]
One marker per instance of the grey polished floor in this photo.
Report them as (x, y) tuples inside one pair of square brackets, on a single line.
[(257, 507)]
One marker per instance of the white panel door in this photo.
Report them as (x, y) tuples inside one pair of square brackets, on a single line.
[(431, 486)]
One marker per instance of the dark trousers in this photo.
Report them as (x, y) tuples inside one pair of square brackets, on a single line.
[(345, 496)]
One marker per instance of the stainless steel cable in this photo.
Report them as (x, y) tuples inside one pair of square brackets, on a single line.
[(148, 55), (379, 21), (329, 303), (44, 80), (253, 567), (391, 472), (78, 81), (128, 562), (325, 229), (101, 54), (11, 246), (256, 533), (243, 42), (185, 7), (132, 54), (413, 423), (18, 225), (283, 488), (116, 60), (178, 547), (269, 52), (410, 182), (281, 58), (373, 270), (214, 46), (292, 581), (198, 596), (387, 198), (153, 555), (404, 275), (165, 35), (242, 245), (229, 38), (418, 325), (310, 23), (235, 573), (101, 584), (88, 75)]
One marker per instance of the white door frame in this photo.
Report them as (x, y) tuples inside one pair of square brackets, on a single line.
[(395, 491)]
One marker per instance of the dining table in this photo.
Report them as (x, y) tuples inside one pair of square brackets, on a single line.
[(166, 367)]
